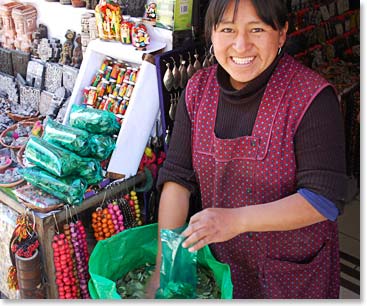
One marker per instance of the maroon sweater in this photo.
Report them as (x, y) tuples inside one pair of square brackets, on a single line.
[(319, 141)]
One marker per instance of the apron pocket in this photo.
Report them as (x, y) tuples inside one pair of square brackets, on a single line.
[(307, 279)]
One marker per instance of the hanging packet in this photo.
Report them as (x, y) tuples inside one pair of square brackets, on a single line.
[(178, 277)]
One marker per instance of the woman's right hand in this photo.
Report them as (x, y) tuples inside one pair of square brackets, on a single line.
[(152, 284)]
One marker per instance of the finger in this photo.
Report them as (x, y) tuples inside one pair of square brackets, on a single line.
[(199, 245), (193, 238)]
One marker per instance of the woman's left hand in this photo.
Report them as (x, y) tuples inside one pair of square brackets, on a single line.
[(210, 225)]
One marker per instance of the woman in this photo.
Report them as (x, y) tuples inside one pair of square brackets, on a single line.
[(261, 136)]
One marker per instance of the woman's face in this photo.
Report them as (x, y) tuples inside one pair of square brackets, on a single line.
[(245, 46)]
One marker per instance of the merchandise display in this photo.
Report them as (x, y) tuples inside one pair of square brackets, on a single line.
[(85, 126)]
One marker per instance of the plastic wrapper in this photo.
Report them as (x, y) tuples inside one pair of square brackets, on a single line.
[(52, 158), (67, 137), (91, 171), (69, 189), (93, 120), (101, 146), (132, 248), (178, 279)]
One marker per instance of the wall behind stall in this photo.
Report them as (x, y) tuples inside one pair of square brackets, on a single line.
[(57, 17)]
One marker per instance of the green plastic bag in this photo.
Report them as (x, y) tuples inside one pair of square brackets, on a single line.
[(93, 120), (67, 137), (178, 276), (52, 158), (114, 257), (69, 189)]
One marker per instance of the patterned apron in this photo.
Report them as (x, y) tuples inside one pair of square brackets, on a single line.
[(261, 168)]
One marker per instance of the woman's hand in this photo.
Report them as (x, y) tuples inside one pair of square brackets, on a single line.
[(210, 225)]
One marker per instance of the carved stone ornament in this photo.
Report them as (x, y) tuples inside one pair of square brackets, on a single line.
[(45, 102), (25, 20), (69, 76), (53, 77), (6, 64), (20, 61), (93, 32), (62, 111), (8, 28), (9, 85), (30, 99), (36, 74), (44, 50), (56, 49)]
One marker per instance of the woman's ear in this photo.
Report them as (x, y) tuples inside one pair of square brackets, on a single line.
[(283, 35)]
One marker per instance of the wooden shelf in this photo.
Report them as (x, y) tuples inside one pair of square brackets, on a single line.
[(45, 223)]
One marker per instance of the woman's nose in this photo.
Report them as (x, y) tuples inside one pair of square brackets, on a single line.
[(241, 42)]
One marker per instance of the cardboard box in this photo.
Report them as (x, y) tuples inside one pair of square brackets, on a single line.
[(174, 15)]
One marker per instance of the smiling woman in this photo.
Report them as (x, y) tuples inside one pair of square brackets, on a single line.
[(245, 45), (260, 137)]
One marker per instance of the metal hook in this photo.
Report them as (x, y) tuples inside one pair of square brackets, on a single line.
[(57, 227)]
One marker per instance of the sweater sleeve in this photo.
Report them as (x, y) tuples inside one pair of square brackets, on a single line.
[(178, 164), (320, 149)]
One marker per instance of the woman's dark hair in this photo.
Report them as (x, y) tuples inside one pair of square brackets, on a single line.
[(272, 12)]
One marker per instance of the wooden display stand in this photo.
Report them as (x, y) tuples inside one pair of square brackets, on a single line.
[(45, 225)]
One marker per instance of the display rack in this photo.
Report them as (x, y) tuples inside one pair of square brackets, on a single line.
[(45, 223)]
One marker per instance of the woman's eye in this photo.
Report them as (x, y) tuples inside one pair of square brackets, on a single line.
[(227, 30), (257, 30)]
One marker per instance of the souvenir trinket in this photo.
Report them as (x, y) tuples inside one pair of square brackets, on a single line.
[(25, 21), (20, 61), (77, 58), (197, 64), (69, 75), (67, 48), (35, 74), (53, 77), (176, 75), (140, 37), (6, 64), (108, 18), (45, 102), (9, 86), (151, 12), (168, 78), (8, 32), (183, 72), (190, 69), (44, 50), (126, 27), (29, 100)]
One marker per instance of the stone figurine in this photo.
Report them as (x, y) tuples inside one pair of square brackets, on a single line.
[(77, 53), (67, 48)]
